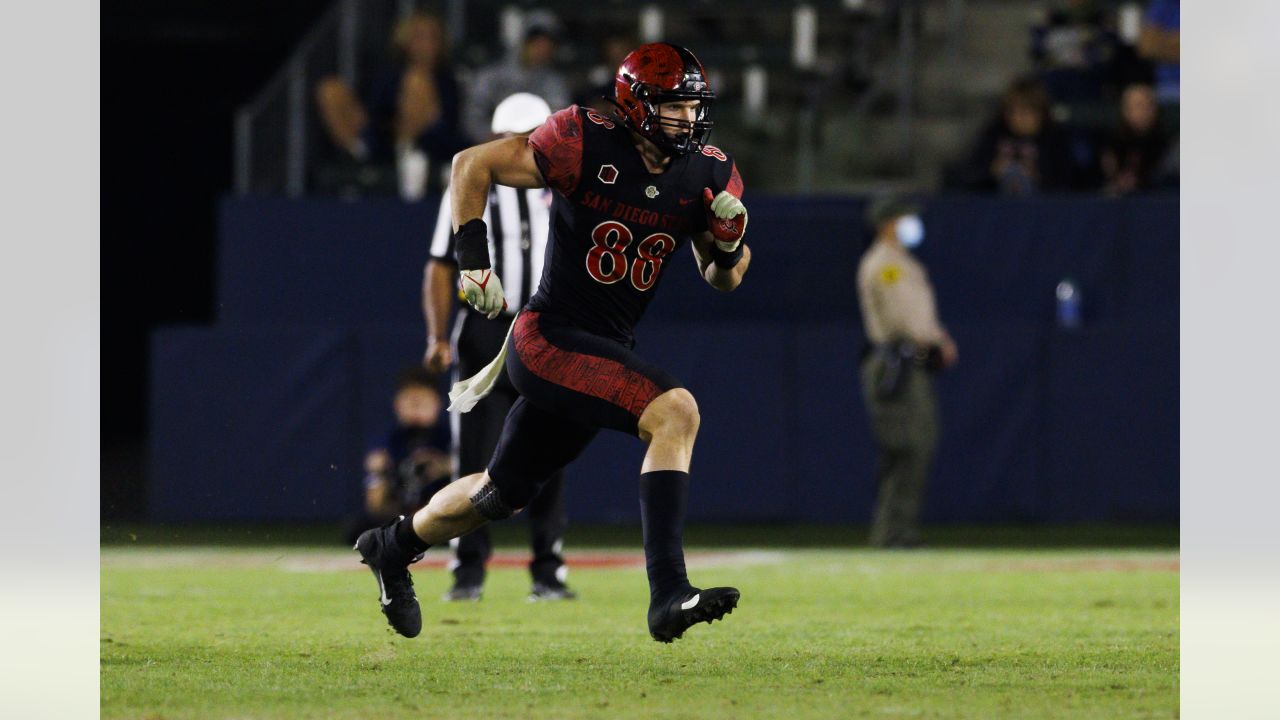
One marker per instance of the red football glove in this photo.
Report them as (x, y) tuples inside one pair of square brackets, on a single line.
[(726, 218)]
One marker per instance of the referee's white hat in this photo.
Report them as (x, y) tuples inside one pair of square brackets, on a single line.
[(520, 113)]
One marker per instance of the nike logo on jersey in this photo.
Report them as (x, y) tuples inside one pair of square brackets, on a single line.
[(686, 605), (685, 201)]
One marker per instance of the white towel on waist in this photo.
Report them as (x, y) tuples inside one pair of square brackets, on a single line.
[(466, 393)]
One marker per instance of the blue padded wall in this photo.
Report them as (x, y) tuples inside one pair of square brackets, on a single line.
[(265, 416)]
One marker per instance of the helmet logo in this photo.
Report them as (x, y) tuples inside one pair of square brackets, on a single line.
[(651, 192), (608, 174)]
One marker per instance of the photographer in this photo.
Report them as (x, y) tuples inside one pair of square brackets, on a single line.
[(406, 467)]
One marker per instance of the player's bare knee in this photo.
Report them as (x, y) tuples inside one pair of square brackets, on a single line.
[(676, 414)]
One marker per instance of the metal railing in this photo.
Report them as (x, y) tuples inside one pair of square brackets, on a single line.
[(273, 137), (276, 137)]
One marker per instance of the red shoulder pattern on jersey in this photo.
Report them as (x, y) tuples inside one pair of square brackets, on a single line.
[(557, 148), (734, 187)]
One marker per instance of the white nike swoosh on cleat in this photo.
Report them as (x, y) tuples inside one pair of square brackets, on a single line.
[(686, 605), (382, 590)]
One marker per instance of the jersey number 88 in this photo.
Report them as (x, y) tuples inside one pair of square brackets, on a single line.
[(607, 264)]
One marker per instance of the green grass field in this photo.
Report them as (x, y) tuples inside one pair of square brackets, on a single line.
[(292, 630)]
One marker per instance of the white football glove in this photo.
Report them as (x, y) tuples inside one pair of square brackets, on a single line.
[(483, 291)]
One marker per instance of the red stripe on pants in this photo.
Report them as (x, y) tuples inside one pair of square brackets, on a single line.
[(599, 377)]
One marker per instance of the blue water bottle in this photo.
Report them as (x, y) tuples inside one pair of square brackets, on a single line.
[(1069, 316)]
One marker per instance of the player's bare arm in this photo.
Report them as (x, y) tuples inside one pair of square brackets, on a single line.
[(506, 161), (717, 277)]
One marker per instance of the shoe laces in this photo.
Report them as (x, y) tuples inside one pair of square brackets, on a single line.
[(399, 587)]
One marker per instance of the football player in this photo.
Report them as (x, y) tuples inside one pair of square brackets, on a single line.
[(629, 189)]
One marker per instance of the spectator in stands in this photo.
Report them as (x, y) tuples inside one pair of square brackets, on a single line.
[(1159, 43), (1021, 151), (1072, 47), (530, 70), (599, 92), (407, 466), (411, 111), (1134, 153)]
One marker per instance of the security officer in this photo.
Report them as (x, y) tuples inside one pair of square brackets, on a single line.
[(518, 222), (906, 344)]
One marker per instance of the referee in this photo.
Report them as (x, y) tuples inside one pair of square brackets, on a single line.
[(518, 222)]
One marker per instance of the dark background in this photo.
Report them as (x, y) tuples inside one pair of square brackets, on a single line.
[(173, 74)]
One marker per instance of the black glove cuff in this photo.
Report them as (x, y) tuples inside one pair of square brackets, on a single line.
[(726, 260), (471, 245)]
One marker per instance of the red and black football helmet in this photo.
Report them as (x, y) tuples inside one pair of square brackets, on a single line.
[(661, 73)]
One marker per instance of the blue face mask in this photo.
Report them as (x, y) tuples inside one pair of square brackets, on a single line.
[(910, 231)]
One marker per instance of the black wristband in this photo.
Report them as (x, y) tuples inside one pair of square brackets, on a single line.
[(726, 260), (471, 246)]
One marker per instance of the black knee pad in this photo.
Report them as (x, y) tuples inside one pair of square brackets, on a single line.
[(488, 501)]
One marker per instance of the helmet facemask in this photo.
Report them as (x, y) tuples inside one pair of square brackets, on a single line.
[(689, 137)]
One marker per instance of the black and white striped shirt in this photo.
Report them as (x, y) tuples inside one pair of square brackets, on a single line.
[(518, 222)]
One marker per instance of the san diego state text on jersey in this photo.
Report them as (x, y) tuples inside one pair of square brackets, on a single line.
[(613, 223)]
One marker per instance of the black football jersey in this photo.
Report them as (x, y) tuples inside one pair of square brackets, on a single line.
[(614, 225)]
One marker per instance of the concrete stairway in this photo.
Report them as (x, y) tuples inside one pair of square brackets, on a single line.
[(956, 86)]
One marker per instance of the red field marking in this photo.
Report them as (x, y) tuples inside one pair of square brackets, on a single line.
[(331, 560), (336, 560), (573, 559), (1102, 564), (1099, 565)]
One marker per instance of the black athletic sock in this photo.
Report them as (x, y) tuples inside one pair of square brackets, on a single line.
[(664, 495), (407, 538)]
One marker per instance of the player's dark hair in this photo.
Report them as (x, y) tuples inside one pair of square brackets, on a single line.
[(1030, 92), (415, 376)]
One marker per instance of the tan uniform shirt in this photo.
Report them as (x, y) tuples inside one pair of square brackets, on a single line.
[(896, 297)]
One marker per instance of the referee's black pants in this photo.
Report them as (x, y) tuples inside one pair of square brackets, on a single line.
[(475, 435)]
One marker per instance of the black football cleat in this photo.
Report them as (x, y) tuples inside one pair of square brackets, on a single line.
[(378, 550), (668, 621), (551, 591)]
